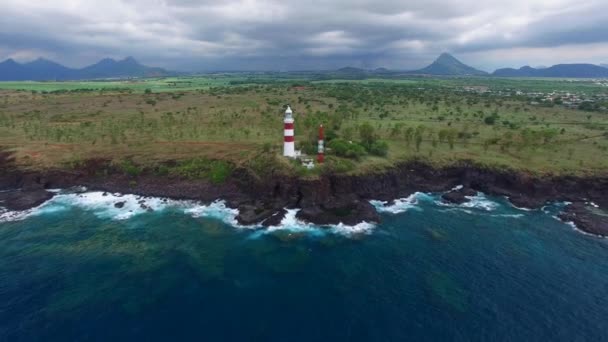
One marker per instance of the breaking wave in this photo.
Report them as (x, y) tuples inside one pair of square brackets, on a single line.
[(290, 223), (123, 207), (479, 201), (400, 205)]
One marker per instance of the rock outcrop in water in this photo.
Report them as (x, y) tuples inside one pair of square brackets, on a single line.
[(587, 218), (330, 199), (459, 196), (24, 199)]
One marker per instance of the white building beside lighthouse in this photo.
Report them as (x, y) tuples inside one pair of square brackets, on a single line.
[(289, 149)]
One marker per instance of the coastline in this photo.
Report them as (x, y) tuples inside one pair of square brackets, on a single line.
[(329, 199)]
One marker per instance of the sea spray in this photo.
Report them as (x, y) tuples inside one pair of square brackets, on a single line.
[(290, 223), (116, 206), (400, 205)]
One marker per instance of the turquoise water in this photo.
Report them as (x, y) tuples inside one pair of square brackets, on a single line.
[(79, 269)]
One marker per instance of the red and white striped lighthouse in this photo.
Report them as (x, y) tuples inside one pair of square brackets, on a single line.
[(321, 147), (289, 149)]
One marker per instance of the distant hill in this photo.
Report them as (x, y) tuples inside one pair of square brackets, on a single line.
[(604, 65), (45, 70), (382, 71), (559, 70), (351, 70), (447, 65)]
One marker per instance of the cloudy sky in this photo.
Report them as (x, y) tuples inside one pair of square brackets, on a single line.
[(202, 35)]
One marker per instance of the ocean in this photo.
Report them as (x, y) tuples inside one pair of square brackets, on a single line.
[(79, 269)]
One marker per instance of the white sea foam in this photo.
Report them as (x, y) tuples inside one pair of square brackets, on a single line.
[(480, 201), (103, 205), (291, 223), (399, 205), (217, 209), (9, 216), (520, 208), (509, 215), (360, 228)]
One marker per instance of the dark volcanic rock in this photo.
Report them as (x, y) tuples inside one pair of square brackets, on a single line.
[(458, 196), (338, 211), (119, 205), (275, 219), (586, 218), (251, 214), (24, 199), (527, 202)]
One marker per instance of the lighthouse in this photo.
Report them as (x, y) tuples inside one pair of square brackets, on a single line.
[(289, 149), (321, 146)]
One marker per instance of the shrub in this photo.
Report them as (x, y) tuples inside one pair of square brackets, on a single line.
[(130, 168), (338, 165), (219, 172), (379, 148), (346, 149), (490, 120), (267, 147)]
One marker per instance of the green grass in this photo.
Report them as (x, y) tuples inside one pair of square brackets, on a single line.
[(210, 124)]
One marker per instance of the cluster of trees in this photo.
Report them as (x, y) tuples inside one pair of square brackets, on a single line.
[(369, 143)]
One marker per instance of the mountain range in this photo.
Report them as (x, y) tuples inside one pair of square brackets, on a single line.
[(445, 65), (559, 70), (45, 70), (448, 65)]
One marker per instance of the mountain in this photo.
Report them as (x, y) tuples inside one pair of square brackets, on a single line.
[(12, 71), (47, 70), (447, 65), (559, 70), (128, 67), (604, 65), (43, 70)]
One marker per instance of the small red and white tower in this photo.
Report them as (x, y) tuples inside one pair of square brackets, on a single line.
[(321, 147), (289, 149)]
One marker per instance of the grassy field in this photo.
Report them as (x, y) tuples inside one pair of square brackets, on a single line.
[(238, 119), (168, 84)]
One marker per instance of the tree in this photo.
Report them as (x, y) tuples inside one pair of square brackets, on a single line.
[(419, 136), (367, 135), (490, 120), (396, 130), (451, 137), (409, 135)]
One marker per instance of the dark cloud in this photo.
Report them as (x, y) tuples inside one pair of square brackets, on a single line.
[(289, 34)]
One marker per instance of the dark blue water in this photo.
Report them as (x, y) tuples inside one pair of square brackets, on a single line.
[(79, 270)]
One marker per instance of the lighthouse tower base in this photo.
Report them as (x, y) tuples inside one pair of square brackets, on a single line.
[(289, 149)]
